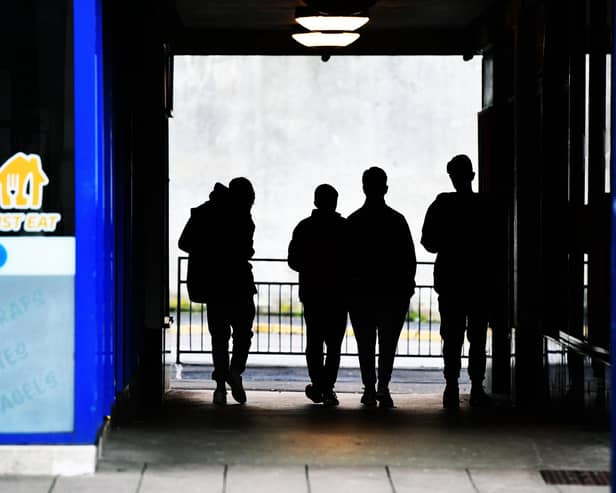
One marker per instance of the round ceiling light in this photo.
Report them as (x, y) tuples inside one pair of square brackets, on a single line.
[(331, 22), (317, 38)]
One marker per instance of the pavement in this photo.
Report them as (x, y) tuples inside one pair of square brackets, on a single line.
[(294, 378), (280, 442)]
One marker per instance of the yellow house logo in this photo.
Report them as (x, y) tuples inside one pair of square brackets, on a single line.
[(21, 182), (21, 187)]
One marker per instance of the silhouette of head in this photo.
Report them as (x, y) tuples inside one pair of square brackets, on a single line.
[(241, 192), (374, 181), (325, 198), (460, 170)]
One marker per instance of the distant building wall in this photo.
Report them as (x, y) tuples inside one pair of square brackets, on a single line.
[(291, 123)]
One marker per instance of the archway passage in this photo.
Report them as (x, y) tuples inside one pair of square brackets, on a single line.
[(533, 108), (89, 91), (295, 123)]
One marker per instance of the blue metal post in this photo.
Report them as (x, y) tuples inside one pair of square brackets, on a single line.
[(89, 219)]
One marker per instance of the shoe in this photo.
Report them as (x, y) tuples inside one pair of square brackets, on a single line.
[(451, 397), (369, 397), (220, 396), (237, 389), (330, 399), (314, 394), (479, 398), (384, 398)]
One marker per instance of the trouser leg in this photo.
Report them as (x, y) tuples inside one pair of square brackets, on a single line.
[(220, 331), (314, 343), (391, 321), (333, 341), (364, 328), (243, 314), (477, 334), (453, 325)]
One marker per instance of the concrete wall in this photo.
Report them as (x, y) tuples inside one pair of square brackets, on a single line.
[(291, 123)]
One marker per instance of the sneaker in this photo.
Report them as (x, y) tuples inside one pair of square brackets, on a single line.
[(369, 397), (384, 398), (220, 396), (237, 389), (330, 399), (314, 394), (479, 398), (451, 397)]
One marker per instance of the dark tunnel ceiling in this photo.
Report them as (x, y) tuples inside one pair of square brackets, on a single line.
[(278, 14), (396, 26)]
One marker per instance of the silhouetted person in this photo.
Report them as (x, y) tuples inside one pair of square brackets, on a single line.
[(219, 240), (317, 252), (382, 283), (457, 229)]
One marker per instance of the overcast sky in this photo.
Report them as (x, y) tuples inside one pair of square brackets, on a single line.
[(291, 123)]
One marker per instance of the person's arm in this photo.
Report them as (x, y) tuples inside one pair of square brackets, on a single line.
[(295, 257), (407, 255), (430, 238), (412, 260), (186, 241), (238, 240), (250, 242)]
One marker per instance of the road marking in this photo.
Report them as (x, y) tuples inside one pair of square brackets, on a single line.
[(286, 329)]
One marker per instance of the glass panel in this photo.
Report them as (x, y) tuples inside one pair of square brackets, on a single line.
[(37, 244)]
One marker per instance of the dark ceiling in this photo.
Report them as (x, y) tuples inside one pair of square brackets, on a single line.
[(264, 26), (278, 14)]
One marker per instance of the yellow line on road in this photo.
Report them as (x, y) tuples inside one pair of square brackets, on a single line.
[(286, 329)]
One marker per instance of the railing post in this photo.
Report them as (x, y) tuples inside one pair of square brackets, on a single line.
[(178, 308), (275, 317)]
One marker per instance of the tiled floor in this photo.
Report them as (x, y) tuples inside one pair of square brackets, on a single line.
[(315, 479)]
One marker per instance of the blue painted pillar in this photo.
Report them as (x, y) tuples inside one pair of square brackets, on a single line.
[(94, 294)]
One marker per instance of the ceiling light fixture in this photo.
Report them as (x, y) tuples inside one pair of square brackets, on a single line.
[(331, 39), (331, 22)]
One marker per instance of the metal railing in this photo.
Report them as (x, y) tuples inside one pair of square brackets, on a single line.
[(279, 326)]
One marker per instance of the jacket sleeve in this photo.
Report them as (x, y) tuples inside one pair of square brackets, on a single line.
[(430, 234), (409, 255), (249, 250), (412, 259), (187, 238), (295, 257)]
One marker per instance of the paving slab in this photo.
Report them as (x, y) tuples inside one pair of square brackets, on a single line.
[(188, 479), (588, 453), (405, 480), (510, 481), (101, 482), (259, 479), (119, 466), (25, 484), (349, 480)]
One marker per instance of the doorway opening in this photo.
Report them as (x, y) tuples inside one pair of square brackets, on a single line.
[(289, 124)]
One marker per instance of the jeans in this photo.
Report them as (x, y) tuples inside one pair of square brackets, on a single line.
[(226, 319), (457, 316), (325, 325), (382, 317)]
